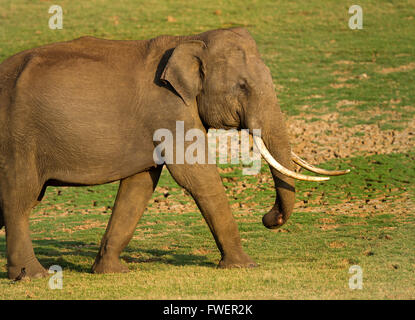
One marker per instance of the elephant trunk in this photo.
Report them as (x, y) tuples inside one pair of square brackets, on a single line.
[(284, 186), (274, 139)]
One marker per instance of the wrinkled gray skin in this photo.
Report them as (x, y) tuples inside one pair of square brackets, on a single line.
[(84, 112)]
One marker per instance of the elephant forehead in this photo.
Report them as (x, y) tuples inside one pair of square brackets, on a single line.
[(231, 48)]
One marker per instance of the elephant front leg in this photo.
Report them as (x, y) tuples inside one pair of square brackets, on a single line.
[(204, 184), (133, 195)]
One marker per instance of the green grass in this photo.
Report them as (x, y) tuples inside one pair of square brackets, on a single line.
[(315, 60)]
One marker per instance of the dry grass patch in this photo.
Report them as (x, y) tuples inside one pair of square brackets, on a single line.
[(404, 68), (342, 85), (86, 225)]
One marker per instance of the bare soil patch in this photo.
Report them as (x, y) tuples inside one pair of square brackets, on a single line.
[(320, 141), (400, 206)]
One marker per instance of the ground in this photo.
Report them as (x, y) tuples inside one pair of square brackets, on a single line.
[(349, 101)]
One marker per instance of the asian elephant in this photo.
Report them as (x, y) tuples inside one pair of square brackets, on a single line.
[(84, 112)]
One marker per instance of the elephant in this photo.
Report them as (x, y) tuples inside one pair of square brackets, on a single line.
[(83, 112)]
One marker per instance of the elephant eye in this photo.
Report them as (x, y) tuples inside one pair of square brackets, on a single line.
[(243, 85)]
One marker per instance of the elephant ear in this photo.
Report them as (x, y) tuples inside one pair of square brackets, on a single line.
[(183, 69)]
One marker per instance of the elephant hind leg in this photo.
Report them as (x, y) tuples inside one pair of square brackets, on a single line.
[(133, 195), (18, 195)]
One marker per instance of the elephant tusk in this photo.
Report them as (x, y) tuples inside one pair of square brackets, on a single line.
[(277, 166), (305, 165)]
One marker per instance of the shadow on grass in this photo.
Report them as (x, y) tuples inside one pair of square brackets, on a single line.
[(54, 252), (167, 257)]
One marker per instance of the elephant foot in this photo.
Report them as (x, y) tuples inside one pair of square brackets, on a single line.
[(105, 265), (239, 261), (26, 271)]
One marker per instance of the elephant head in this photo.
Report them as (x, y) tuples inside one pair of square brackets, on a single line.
[(222, 72)]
